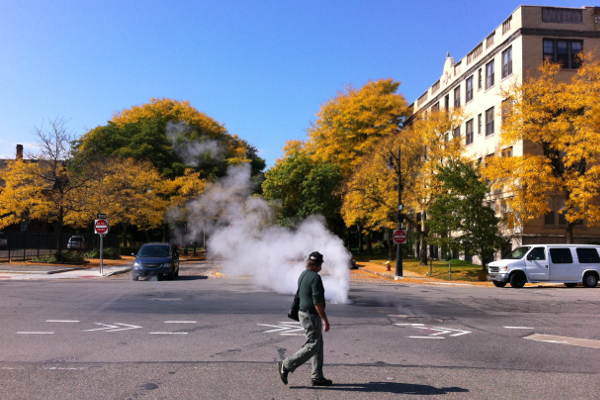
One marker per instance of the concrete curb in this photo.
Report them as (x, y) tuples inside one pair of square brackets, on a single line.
[(118, 272), (53, 271)]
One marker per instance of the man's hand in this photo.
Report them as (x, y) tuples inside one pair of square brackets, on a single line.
[(321, 311)]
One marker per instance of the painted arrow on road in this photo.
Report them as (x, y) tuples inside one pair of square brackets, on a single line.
[(437, 332), (285, 328), (116, 327)]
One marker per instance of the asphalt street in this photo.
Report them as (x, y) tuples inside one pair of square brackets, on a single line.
[(205, 336)]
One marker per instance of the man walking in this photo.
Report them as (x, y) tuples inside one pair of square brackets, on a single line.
[(314, 321)]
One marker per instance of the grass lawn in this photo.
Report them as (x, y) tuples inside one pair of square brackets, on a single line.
[(461, 270)]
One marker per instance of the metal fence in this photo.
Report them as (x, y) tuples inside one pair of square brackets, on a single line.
[(24, 246)]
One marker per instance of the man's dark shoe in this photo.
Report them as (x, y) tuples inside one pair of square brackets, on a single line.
[(283, 373), (321, 382)]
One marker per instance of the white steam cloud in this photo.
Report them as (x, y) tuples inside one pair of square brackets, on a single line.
[(192, 152), (244, 240)]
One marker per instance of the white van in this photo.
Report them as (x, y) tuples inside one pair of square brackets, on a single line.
[(567, 263)]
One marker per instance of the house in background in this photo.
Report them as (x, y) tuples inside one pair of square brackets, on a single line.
[(512, 52)]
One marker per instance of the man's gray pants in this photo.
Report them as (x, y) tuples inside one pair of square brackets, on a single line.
[(312, 349)]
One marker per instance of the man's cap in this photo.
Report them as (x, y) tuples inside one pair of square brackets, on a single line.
[(316, 257)]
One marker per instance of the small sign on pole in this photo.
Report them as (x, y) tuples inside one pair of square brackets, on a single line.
[(400, 236), (101, 228)]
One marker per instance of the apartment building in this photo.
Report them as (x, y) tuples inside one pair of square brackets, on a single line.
[(512, 52)]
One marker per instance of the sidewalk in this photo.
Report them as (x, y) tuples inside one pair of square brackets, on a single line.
[(408, 276), (29, 270)]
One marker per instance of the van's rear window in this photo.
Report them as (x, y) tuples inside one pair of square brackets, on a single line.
[(561, 256), (588, 256)]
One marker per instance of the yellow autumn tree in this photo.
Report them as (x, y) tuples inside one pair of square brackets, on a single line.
[(134, 193), (49, 187), (349, 125), (558, 121), (371, 194)]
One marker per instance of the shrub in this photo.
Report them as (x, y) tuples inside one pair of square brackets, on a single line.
[(113, 253)]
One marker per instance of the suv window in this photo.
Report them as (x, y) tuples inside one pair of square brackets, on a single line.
[(537, 253), (561, 256), (588, 256), (154, 251), (518, 253)]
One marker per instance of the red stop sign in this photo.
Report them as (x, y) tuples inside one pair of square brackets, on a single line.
[(400, 236), (101, 226)]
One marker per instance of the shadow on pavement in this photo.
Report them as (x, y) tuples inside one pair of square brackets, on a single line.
[(387, 387), (191, 278)]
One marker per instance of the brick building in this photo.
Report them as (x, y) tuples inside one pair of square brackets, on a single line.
[(510, 53)]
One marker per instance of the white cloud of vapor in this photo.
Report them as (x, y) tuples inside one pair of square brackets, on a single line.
[(244, 241)]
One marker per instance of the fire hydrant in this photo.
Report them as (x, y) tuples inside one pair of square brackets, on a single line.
[(387, 264)]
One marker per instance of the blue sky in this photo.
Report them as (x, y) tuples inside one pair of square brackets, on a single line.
[(261, 68)]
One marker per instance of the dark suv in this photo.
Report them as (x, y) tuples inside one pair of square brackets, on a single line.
[(156, 259)]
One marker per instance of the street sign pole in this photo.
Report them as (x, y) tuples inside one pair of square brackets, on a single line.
[(101, 253), (101, 227)]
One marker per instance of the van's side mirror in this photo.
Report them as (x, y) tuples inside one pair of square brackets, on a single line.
[(529, 257)]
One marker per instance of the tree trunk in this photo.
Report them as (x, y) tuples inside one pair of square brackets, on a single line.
[(370, 243), (423, 232), (391, 247), (59, 230), (569, 232), (360, 239)]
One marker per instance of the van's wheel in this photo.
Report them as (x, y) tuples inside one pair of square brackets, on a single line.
[(499, 284), (590, 280), (134, 277), (517, 280), (570, 284)]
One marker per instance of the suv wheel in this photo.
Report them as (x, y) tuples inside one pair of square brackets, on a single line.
[(590, 280), (517, 280)]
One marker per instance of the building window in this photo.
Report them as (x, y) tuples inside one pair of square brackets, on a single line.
[(506, 25), (479, 79), (457, 97), (489, 122), (456, 132), (564, 52), (489, 41), (447, 102), (562, 15), (469, 89), (507, 62), (479, 124), (507, 152), (469, 132), (489, 74), (436, 106)]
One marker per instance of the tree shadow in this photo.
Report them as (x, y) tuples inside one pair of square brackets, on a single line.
[(388, 387)]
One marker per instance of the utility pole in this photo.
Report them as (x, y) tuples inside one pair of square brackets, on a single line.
[(390, 166)]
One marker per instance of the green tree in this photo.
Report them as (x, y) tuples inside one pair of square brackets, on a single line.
[(172, 135), (303, 188), (459, 218)]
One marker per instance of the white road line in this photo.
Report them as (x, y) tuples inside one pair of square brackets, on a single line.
[(426, 337), (180, 322), (518, 327), (591, 343), (62, 320), (168, 333), (409, 324), (35, 333)]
